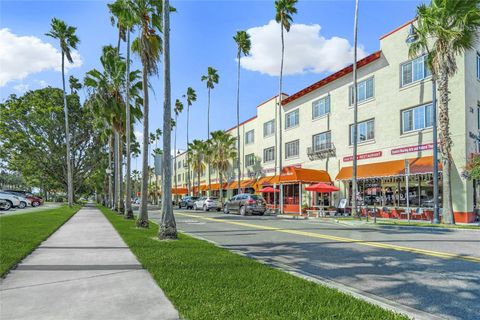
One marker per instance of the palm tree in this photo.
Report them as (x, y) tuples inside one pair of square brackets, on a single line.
[(283, 15), (211, 79), (445, 29), (224, 144), (191, 97), (74, 85), (196, 158), (121, 10), (107, 101), (65, 34), (148, 47), (168, 227), (177, 110), (355, 211), (242, 39)]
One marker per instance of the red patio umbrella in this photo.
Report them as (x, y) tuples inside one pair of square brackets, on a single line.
[(322, 187), (268, 190)]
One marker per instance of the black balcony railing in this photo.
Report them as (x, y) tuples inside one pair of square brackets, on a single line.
[(321, 151)]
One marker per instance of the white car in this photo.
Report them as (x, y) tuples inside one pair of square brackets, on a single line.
[(207, 203), (12, 201)]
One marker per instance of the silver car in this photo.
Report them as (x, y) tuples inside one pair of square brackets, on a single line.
[(207, 204)]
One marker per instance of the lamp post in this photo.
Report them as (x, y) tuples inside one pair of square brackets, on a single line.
[(412, 37)]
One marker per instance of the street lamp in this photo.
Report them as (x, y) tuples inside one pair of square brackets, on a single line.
[(412, 37)]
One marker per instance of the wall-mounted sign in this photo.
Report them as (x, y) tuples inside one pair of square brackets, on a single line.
[(364, 156), (420, 147)]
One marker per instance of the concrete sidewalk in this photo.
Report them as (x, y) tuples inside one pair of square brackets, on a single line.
[(83, 271)]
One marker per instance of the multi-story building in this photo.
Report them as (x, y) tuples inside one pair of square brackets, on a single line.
[(394, 132)]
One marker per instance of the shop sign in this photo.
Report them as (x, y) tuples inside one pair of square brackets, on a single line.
[(364, 156), (420, 147)]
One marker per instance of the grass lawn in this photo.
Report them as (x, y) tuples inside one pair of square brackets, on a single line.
[(207, 282), (21, 234), (413, 223)]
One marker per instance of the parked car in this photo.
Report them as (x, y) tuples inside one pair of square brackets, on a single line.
[(207, 204), (12, 200), (24, 201), (246, 203), (187, 202), (34, 200)]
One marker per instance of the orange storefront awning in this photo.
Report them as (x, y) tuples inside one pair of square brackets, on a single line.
[(392, 168), (179, 191), (247, 183), (293, 174)]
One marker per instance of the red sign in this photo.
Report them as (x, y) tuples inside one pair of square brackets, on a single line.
[(421, 147), (364, 156)]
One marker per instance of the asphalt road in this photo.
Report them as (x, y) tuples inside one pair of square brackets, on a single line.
[(422, 272)]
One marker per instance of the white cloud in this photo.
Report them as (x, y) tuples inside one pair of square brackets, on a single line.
[(21, 56), (42, 83), (306, 50), (21, 87)]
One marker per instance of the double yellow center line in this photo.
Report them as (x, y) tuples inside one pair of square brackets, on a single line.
[(438, 254)]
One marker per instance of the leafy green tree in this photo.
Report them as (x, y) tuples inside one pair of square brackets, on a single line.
[(445, 29), (242, 39), (32, 131), (148, 47), (224, 144), (196, 150), (65, 34), (191, 97), (211, 79), (74, 84), (284, 9)]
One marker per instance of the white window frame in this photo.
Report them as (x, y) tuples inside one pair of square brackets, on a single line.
[(296, 115), (265, 134), (425, 70), (359, 129), (252, 133), (413, 116), (360, 87), (317, 104), (328, 139), (292, 146), (248, 157), (270, 149)]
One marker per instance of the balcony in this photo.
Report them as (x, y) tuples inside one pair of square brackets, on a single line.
[(321, 151)]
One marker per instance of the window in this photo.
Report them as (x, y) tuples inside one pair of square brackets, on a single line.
[(250, 159), (269, 128), (322, 141), (249, 137), (365, 131), (478, 65), (291, 119), (291, 149), (417, 118), (478, 115), (321, 107), (364, 90), (269, 154), (414, 70)]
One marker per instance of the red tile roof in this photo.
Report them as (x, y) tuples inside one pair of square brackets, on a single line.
[(374, 56)]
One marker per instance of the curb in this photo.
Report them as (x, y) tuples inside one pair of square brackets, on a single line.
[(397, 226)]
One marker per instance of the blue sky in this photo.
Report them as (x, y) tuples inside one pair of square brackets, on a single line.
[(202, 36)]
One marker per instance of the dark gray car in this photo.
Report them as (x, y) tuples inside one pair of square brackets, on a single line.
[(187, 202), (245, 203)]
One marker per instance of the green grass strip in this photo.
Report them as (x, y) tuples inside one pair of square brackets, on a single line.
[(21, 234), (204, 281)]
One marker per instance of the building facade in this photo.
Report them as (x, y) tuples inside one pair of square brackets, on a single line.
[(394, 131)]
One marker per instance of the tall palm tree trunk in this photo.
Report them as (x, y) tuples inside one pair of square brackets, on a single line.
[(175, 159), (115, 168), (280, 83), (67, 138), (446, 147), (128, 187), (189, 187), (238, 123), (121, 207), (110, 168), (142, 220), (355, 115), (168, 227), (221, 188), (208, 136)]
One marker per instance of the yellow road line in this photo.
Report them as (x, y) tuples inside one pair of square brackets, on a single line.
[(437, 254)]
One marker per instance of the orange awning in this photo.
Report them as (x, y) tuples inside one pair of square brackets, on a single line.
[(389, 168), (179, 191), (293, 174), (247, 183), (203, 187)]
